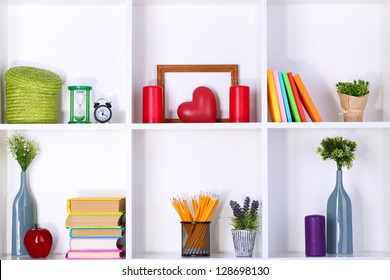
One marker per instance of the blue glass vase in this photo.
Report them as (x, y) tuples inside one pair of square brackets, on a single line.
[(339, 220), (23, 216)]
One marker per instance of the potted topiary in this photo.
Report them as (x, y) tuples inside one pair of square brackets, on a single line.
[(353, 98), (339, 206), (245, 222)]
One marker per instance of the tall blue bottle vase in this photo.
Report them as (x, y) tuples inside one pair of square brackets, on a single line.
[(339, 220), (23, 216)]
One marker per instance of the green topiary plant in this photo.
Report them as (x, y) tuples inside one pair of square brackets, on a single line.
[(358, 88), (339, 149)]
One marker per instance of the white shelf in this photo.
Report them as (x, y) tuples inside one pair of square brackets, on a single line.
[(330, 125), (198, 126), (117, 45), (177, 256), (356, 255), (67, 2), (62, 127), (327, 2), (25, 258), (195, 2)]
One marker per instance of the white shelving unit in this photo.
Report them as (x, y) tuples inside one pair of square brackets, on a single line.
[(116, 46), (324, 43), (83, 42)]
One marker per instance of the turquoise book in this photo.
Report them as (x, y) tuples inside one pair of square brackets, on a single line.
[(285, 99), (96, 232)]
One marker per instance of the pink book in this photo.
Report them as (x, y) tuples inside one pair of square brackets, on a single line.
[(95, 254), (98, 243), (280, 97)]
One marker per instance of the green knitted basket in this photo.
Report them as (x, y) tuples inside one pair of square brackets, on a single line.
[(31, 95)]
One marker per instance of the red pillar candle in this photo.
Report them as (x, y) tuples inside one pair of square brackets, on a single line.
[(152, 104), (315, 235), (239, 104)]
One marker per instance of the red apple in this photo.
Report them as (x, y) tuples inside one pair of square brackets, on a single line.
[(38, 242)]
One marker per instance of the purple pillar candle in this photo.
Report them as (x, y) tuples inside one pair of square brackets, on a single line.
[(315, 235)]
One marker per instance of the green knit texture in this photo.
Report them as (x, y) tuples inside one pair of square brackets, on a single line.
[(31, 95)]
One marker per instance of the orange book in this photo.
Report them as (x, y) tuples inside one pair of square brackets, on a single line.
[(273, 104), (306, 100), (96, 204), (296, 97), (95, 219)]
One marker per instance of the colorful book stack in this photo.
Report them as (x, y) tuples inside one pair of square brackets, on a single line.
[(96, 228), (288, 97)]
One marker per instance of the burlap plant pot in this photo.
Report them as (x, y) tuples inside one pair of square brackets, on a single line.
[(353, 107)]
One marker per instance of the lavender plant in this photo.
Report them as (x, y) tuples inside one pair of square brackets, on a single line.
[(246, 217)]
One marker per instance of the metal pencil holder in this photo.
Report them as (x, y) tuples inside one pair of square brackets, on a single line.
[(195, 238)]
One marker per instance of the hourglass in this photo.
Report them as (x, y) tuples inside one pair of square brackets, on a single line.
[(79, 104)]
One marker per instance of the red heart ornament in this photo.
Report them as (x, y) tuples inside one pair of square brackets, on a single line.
[(202, 108)]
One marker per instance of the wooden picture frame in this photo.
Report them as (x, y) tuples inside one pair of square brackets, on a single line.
[(195, 68)]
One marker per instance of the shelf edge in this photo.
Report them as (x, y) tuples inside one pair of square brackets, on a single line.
[(63, 127)]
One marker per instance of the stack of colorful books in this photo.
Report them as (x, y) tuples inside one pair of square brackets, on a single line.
[(288, 97), (96, 228)]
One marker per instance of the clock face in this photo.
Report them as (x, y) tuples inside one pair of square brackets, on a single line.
[(102, 114)]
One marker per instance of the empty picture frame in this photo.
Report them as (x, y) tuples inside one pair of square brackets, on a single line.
[(231, 69)]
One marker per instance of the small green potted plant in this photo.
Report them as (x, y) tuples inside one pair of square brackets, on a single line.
[(245, 222), (339, 206), (353, 99)]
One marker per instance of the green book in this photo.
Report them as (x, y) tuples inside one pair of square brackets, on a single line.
[(291, 99)]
